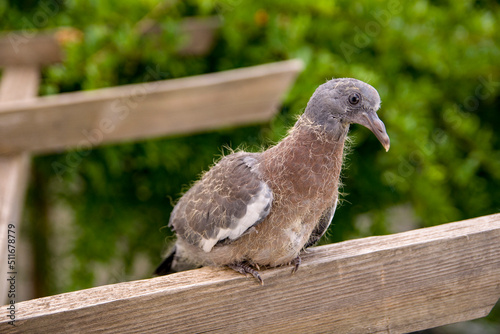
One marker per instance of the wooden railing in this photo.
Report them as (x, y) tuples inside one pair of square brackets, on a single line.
[(388, 284), (130, 112)]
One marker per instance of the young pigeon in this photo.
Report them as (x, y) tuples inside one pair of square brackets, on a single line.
[(263, 209)]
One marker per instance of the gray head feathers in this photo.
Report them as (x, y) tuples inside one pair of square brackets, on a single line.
[(340, 102)]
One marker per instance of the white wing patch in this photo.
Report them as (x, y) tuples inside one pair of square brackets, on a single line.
[(333, 211), (331, 215), (257, 209)]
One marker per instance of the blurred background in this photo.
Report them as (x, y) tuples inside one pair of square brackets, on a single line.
[(436, 65)]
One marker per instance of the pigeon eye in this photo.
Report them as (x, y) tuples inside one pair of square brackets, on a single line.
[(354, 98)]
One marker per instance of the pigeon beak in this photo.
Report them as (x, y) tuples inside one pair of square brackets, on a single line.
[(371, 121)]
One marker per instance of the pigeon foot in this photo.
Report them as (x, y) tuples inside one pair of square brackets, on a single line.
[(296, 262), (245, 269)]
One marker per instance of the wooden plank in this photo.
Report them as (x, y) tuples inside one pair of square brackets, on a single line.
[(198, 32), (18, 83), (200, 35), (14, 171), (193, 104), (389, 284), (30, 48)]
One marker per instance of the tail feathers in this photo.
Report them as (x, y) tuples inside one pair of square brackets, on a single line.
[(175, 261), (165, 266)]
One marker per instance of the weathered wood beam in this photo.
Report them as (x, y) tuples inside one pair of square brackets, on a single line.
[(26, 47), (198, 33), (18, 83), (90, 118), (388, 284)]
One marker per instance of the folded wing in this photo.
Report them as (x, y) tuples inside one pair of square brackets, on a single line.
[(229, 200)]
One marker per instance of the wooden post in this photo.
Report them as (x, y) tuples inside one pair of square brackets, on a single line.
[(18, 83), (388, 284), (21, 56)]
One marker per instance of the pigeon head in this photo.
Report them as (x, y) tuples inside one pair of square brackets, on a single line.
[(340, 102)]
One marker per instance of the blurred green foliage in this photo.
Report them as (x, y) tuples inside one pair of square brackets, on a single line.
[(436, 65)]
